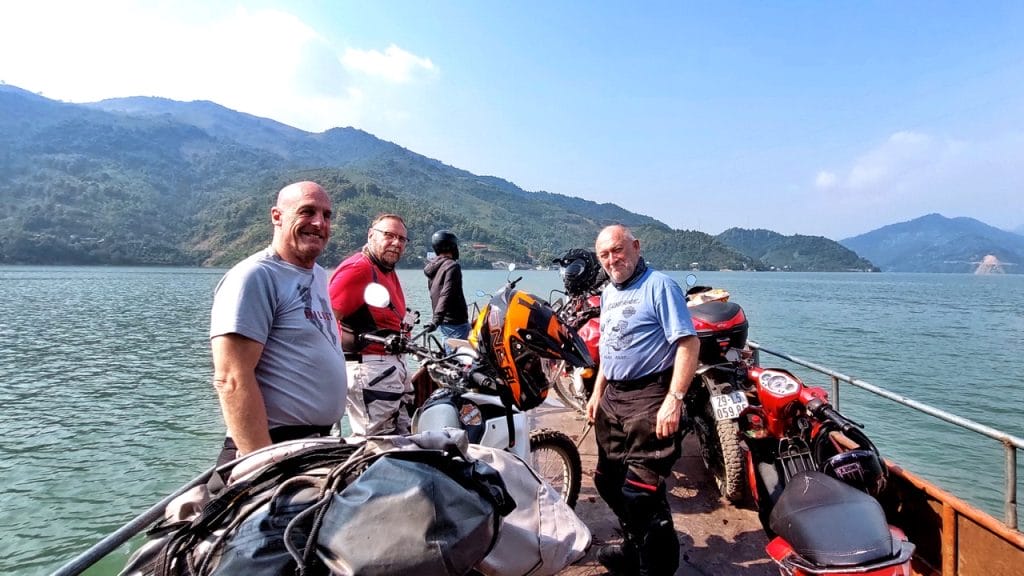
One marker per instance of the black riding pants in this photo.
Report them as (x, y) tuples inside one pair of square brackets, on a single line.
[(632, 465)]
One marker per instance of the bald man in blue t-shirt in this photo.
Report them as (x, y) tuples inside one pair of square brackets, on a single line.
[(649, 353)]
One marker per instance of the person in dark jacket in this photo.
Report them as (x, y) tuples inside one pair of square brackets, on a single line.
[(444, 279)]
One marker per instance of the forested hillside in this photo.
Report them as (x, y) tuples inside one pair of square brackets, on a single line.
[(155, 181), (795, 253)]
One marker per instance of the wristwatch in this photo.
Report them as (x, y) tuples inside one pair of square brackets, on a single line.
[(677, 395)]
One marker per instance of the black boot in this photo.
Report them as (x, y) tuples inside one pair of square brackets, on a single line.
[(620, 559), (652, 533), (657, 551)]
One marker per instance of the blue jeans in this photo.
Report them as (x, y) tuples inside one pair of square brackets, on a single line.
[(446, 331)]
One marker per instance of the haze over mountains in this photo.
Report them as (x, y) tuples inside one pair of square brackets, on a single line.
[(156, 181)]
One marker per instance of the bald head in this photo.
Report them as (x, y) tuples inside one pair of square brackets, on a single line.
[(293, 192), (615, 231), (302, 223), (618, 251)]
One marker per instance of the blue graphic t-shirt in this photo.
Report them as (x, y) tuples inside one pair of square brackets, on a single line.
[(640, 325)]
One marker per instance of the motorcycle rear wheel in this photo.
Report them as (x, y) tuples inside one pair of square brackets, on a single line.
[(555, 458), (721, 454)]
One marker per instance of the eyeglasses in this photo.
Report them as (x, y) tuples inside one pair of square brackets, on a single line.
[(392, 236)]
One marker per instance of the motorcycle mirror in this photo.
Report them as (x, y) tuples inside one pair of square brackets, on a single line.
[(376, 295), (551, 298), (510, 282), (691, 279)]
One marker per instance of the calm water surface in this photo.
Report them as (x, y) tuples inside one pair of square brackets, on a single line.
[(107, 406)]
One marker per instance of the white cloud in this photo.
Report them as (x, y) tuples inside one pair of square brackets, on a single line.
[(902, 154), (394, 64), (904, 158), (825, 180), (911, 174), (264, 62)]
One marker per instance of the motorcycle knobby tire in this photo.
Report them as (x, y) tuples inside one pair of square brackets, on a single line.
[(721, 454), (556, 459)]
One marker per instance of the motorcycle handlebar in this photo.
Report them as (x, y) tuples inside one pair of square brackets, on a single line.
[(451, 368), (481, 380), (824, 411), (398, 343), (576, 311), (374, 338)]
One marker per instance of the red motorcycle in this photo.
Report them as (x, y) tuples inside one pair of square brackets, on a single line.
[(583, 279), (573, 385), (714, 406), (814, 476)]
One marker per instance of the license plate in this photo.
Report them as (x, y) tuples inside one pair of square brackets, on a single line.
[(728, 406)]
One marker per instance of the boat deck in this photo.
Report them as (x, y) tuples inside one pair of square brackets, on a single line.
[(715, 537), (719, 538)]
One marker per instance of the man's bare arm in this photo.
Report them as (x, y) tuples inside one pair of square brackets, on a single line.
[(234, 376), (687, 353), (595, 397)]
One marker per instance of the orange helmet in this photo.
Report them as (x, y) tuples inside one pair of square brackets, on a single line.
[(513, 331)]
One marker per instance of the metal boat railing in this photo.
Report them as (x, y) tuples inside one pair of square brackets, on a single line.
[(1010, 443)]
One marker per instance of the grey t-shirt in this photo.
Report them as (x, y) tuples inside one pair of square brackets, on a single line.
[(286, 308)]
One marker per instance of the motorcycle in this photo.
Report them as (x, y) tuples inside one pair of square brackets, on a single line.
[(814, 477), (573, 384), (719, 392), (714, 406), (488, 383)]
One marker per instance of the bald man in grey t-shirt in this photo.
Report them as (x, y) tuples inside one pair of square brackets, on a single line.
[(279, 368)]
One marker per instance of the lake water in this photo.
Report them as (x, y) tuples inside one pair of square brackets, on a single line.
[(107, 403)]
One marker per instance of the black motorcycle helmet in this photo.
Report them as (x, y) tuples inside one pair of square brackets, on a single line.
[(862, 469), (445, 241), (580, 271)]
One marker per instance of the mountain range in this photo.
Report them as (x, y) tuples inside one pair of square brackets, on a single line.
[(935, 243), (155, 181)]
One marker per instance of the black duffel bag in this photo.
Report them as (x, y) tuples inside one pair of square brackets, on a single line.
[(394, 505)]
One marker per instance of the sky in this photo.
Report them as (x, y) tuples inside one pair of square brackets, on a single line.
[(818, 118)]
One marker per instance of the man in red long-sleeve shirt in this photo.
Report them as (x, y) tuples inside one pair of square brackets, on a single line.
[(380, 393)]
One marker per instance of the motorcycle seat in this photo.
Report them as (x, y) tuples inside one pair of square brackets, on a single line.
[(830, 523)]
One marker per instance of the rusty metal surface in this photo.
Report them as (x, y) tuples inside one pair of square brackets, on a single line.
[(981, 552)]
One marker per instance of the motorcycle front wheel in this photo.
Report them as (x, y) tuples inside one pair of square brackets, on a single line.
[(721, 454), (555, 458), (560, 376)]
